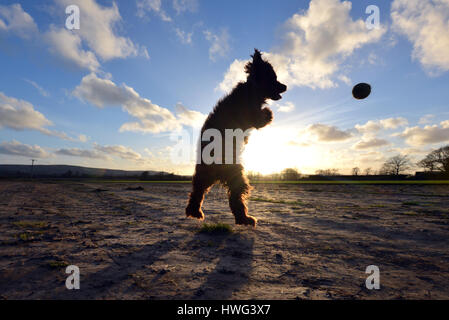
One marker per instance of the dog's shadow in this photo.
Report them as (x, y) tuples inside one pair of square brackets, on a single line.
[(232, 271), (98, 285)]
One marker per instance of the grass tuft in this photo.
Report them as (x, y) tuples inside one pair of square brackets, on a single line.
[(31, 224), (54, 264), (26, 236)]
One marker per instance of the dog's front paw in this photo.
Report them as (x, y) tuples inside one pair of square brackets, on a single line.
[(268, 114), (195, 213), (266, 117)]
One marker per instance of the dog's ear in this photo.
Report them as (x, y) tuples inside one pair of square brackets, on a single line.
[(257, 58)]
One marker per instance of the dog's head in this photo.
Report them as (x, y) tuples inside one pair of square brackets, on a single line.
[(261, 73)]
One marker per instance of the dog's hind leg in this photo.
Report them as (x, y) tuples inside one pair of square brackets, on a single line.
[(201, 185), (239, 190)]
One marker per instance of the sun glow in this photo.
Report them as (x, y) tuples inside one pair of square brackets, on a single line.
[(270, 150)]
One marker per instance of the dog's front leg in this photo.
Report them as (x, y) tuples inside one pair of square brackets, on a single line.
[(263, 118)]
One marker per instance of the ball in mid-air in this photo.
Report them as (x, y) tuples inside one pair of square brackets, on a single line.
[(361, 91)]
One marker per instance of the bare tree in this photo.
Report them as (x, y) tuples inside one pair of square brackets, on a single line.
[(144, 175), (396, 165), (290, 174), (437, 160), (427, 163), (355, 171), (327, 172), (368, 171)]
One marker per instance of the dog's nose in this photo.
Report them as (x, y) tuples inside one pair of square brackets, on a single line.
[(282, 87)]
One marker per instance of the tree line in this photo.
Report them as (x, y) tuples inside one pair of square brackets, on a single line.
[(435, 165)]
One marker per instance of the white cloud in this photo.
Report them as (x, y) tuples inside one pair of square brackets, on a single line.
[(371, 143), (345, 79), (102, 152), (369, 126), (316, 43), (15, 20), (371, 159), (425, 23), (326, 133), (95, 39), (68, 46), (185, 5), (234, 75), (426, 119), (119, 151), (188, 117), (155, 6), (148, 152), (83, 138), (393, 123), (219, 43), (97, 30), (285, 107), (373, 59), (20, 115), (377, 125), (150, 117), (411, 151), (102, 92), (16, 148), (184, 37), (417, 136), (41, 90), (81, 153)]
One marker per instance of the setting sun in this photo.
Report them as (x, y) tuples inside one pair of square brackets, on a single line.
[(282, 152)]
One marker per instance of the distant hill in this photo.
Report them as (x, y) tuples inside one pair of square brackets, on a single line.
[(13, 170)]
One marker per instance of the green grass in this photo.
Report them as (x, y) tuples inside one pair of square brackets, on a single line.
[(368, 182), (134, 181), (57, 264), (215, 228), (26, 236), (377, 206), (31, 224)]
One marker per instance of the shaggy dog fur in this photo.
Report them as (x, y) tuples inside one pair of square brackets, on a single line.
[(242, 109)]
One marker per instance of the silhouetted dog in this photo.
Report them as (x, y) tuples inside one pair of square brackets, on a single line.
[(242, 109)]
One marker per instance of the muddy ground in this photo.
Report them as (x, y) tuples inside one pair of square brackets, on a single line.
[(311, 242)]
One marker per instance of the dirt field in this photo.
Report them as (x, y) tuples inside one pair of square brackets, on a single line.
[(312, 242)]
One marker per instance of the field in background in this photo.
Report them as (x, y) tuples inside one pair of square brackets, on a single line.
[(313, 241), (367, 182)]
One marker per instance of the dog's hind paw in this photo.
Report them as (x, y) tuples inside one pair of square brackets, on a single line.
[(246, 221), (194, 213)]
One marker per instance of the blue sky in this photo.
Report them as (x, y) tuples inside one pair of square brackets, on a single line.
[(137, 72)]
